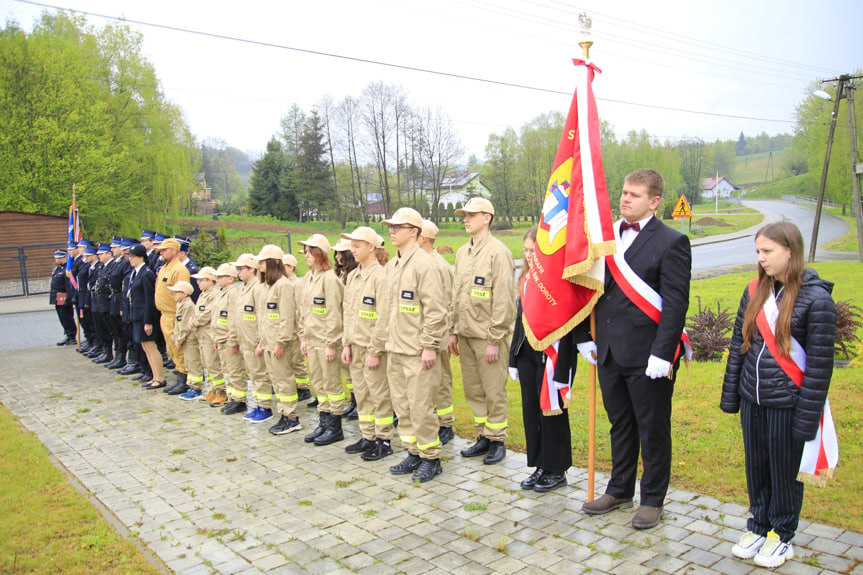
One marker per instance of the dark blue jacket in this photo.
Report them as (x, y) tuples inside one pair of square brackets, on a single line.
[(757, 376)]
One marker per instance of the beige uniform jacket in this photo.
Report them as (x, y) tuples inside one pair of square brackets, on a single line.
[(183, 320), (414, 312), (169, 275), (299, 290), (204, 309), (322, 309), (225, 312), (249, 303), (483, 300), (277, 318), (448, 281), (363, 294)]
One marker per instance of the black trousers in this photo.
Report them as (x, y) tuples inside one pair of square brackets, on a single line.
[(639, 410), (772, 462), (549, 445), (66, 315), (87, 325), (103, 332)]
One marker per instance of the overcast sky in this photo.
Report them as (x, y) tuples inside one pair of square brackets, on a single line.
[(740, 65)]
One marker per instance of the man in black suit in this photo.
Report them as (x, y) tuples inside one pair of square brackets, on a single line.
[(637, 356)]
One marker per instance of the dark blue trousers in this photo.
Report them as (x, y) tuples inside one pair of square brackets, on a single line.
[(772, 462)]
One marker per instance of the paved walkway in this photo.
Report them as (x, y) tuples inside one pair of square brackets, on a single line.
[(209, 493)]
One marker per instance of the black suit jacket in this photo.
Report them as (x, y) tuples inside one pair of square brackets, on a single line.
[(661, 257), (142, 302)]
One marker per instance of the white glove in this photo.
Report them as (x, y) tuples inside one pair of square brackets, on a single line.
[(657, 368), (513, 373), (587, 349)]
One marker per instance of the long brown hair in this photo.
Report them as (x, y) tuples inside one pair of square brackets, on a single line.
[(788, 235), (321, 259), (525, 266), (275, 270)]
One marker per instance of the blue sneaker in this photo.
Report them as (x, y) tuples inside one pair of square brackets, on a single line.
[(251, 414), (262, 415), (191, 395)]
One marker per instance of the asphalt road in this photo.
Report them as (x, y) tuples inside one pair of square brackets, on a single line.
[(741, 251), (30, 330)]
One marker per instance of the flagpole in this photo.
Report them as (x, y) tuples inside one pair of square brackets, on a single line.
[(78, 294), (585, 44)]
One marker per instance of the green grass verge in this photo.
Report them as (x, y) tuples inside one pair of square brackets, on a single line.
[(708, 446), (48, 527), (848, 241)]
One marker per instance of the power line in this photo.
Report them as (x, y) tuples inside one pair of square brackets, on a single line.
[(392, 65)]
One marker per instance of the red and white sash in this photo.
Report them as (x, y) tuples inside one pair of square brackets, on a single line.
[(640, 293), (821, 454)]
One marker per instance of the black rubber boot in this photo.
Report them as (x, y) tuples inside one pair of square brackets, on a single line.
[(119, 359), (179, 387), (351, 410)]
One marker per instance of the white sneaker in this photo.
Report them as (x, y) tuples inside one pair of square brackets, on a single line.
[(774, 552), (748, 546)]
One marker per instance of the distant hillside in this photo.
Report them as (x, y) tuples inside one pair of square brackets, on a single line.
[(750, 170)]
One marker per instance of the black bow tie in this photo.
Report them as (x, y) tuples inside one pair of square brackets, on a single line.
[(624, 225)]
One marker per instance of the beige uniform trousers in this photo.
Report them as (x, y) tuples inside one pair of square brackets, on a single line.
[(166, 322), (443, 401), (485, 387), (374, 406), (326, 377), (233, 370), (413, 391), (210, 358), (256, 367), (284, 384), (194, 364), (298, 364)]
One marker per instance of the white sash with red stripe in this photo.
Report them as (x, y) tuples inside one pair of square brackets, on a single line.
[(821, 454), (639, 292)]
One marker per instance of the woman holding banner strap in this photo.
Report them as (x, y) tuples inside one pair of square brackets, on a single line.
[(778, 373)]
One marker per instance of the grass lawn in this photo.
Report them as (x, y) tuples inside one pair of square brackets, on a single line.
[(848, 241), (48, 527), (708, 445)]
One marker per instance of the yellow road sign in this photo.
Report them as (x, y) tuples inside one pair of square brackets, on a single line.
[(681, 210)]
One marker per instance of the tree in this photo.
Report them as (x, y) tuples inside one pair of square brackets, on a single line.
[(740, 146), (691, 154), (538, 144), (378, 103), (311, 175), (348, 114), (440, 152), (220, 171), (499, 171), (269, 188), (83, 106)]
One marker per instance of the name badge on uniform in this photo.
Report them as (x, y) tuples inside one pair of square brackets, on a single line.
[(480, 281), (273, 310), (202, 308), (368, 300), (319, 301), (248, 308), (407, 294), (179, 318), (223, 313), (223, 317), (272, 305), (249, 313)]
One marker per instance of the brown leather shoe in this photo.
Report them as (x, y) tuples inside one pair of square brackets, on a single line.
[(219, 398), (646, 517), (211, 395), (605, 504)]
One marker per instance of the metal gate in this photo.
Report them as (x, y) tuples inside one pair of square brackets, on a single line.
[(26, 270)]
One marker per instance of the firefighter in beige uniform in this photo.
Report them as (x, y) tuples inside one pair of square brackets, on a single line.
[(278, 328), (191, 344), (206, 277), (225, 341), (321, 339), (484, 310), (411, 329), (298, 362), (246, 331), (364, 292), (172, 272), (183, 337), (443, 401)]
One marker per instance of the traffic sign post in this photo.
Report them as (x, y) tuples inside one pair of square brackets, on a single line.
[(682, 211)]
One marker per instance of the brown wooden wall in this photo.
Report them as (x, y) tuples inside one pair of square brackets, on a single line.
[(23, 229)]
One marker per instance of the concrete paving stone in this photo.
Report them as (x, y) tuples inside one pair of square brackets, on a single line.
[(840, 564), (733, 566), (324, 542), (699, 541), (666, 563), (394, 556), (829, 546), (322, 566), (408, 541), (671, 532), (704, 527), (701, 557), (237, 565), (858, 570), (797, 567), (819, 530), (584, 537), (851, 538), (672, 548), (484, 555), (507, 565), (360, 561)]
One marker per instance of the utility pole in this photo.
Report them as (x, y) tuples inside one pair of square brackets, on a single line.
[(814, 242), (855, 170)]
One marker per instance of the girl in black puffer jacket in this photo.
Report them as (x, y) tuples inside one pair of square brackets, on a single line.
[(776, 414)]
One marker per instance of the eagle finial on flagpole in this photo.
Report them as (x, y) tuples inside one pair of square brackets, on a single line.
[(585, 24)]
